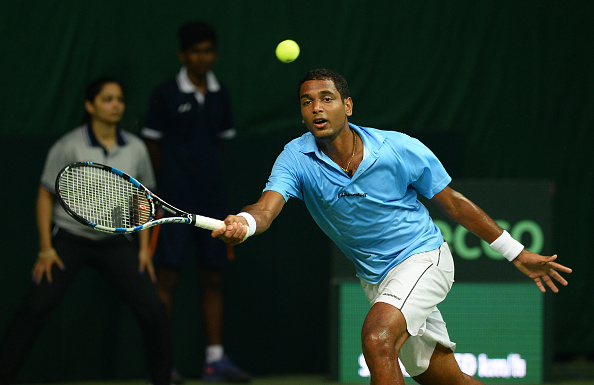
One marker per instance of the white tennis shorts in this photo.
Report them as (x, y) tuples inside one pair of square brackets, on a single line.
[(415, 287)]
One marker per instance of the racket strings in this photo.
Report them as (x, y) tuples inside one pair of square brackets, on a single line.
[(104, 198)]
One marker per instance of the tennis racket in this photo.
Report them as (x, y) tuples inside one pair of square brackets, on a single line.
[(107, 199)]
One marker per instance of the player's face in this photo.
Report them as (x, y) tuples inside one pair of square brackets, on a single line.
[(199, 58), (324, 112), (108, 106)]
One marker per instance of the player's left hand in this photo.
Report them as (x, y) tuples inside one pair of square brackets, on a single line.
[(541, 268)]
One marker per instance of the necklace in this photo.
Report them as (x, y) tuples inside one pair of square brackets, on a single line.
[(349, 172)]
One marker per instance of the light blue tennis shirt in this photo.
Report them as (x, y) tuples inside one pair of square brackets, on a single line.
[(374, 217)]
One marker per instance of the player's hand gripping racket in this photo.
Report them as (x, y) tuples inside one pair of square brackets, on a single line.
[(107, 199)]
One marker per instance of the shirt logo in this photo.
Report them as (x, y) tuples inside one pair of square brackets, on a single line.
[(184, 108), (345, 194)]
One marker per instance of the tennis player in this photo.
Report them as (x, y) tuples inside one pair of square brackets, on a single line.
[(360, 185)]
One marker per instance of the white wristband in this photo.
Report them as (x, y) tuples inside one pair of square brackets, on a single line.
[(251, 222), (507, 246)]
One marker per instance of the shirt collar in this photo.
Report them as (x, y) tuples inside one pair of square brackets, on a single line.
[(92, 139), (186, 85), (370, 140)]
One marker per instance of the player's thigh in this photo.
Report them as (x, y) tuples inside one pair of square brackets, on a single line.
[(415, 286), (384, 324)]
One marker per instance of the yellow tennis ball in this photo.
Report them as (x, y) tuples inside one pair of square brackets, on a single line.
[(287, 51)]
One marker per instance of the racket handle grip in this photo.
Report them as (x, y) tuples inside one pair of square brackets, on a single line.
[(206, 222), (209, 223)]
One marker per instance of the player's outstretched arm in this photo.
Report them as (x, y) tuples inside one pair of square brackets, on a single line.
[(263, 213), (460, 209)]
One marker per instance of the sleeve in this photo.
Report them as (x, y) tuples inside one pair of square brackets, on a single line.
[(56, 159), (426, 172), (284, 178), (227, 128), (155, 118)]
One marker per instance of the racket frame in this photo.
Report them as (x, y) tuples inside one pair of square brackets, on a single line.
[(180, 216)]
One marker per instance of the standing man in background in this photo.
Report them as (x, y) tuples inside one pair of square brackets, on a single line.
[(188, 118)]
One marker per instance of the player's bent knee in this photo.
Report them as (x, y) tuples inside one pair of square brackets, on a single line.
[(377, 339), (382, 342), (384, 330)]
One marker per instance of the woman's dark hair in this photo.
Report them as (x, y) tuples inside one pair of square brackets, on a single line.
[(325, 74), (94, 88)]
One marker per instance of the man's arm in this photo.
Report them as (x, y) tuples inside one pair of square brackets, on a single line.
[(463, 211), (264, 211)]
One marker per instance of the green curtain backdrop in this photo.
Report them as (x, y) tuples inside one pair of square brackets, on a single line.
[(503, 88)]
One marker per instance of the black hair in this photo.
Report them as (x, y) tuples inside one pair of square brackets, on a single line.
[(194, 32), (325, 74), (94, 88)]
